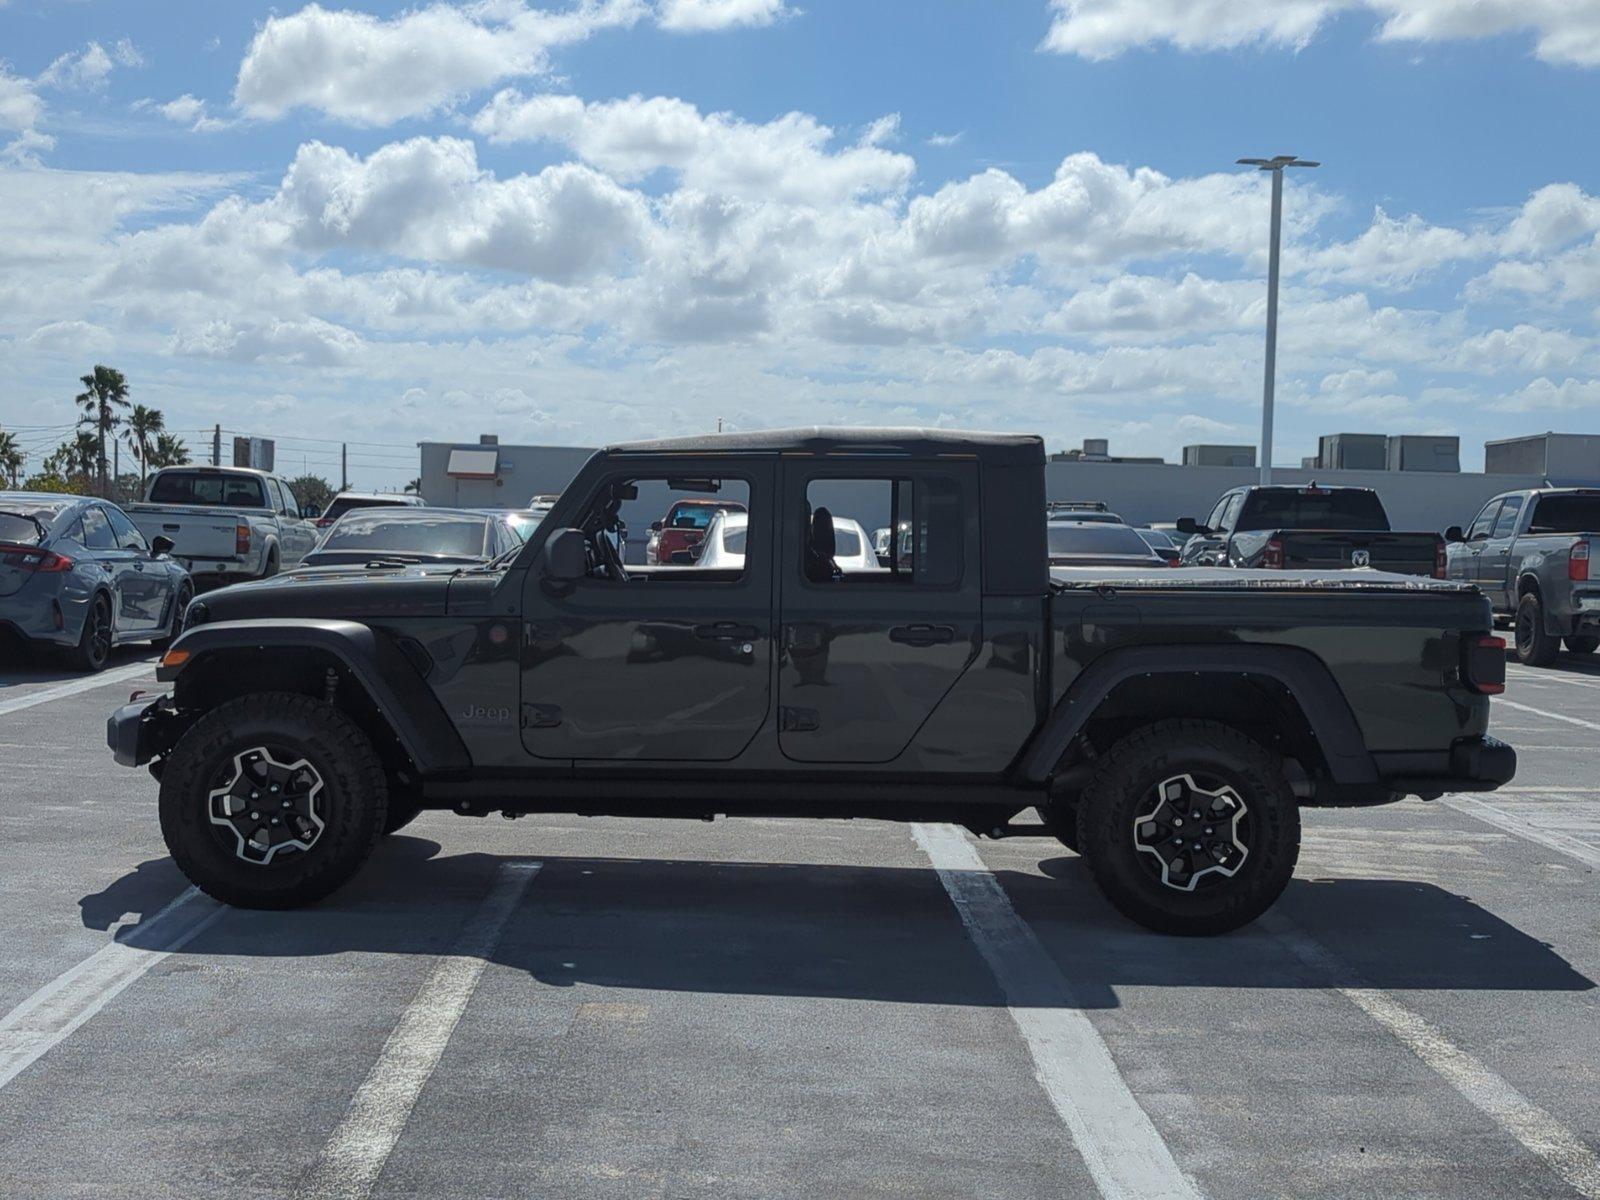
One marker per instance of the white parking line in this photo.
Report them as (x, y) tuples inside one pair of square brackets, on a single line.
[(1542, 1134), (1539, 712), (351, 1162), (1555, 839), (1119, 1145), (104, 679), (49, 1016)]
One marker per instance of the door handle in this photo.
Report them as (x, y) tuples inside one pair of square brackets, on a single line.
[(922, 635), (727, 631)]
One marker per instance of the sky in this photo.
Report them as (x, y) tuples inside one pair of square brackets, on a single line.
[(576, 222)]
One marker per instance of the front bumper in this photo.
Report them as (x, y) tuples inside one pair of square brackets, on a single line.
[(1476, 764), (140, 730)]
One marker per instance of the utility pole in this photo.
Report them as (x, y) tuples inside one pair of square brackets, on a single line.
[(216, 445), (116, 468), (1269, 386), (344, 467)]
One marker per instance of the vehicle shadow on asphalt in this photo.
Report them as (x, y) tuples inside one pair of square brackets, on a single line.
[(20, 663), (853, 932)]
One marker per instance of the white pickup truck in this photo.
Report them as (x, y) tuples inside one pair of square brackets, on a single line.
[(226, 524)]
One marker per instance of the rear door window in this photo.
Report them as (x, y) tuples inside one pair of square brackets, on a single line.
[(1297, 508), (1506, 523), (97, 534), (926, 509)]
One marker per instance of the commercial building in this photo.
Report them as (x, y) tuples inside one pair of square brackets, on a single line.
[(1569, 458)]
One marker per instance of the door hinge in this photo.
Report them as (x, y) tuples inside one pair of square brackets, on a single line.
[(798, 720), (540, 716)]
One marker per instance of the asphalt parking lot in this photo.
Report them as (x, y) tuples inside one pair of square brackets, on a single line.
[(570, 1007)]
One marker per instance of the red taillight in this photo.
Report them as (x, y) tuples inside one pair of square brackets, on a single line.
[(241, 539), (32, 558), (1441, 561), (324, 522), (1578, 561), (1484, 668), (1272, 556)]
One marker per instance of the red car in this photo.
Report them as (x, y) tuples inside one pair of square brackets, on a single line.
[(684, 526)]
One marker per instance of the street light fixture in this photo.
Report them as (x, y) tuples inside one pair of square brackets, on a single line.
[(1276, 166)]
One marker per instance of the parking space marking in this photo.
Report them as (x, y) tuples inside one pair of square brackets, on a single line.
[(1540, 712), (1539, 1132), (1119, 1144), (51, 1015), (104, 679), (1555, 839), (355, 1155)]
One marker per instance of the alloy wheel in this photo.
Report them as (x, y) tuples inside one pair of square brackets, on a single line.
[(266, 801), (1195, 828)]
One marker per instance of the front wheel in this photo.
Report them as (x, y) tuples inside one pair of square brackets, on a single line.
[(1584, 643), (272, 800), (1189, 827)]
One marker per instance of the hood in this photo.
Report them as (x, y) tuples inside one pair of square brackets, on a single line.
[(356, 592)]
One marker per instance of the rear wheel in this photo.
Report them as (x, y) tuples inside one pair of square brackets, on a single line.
[(1189, 827), (94, 643), (272, 800), (1583, 643), (1535, 647)]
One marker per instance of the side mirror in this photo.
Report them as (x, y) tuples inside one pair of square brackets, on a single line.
[(565, 559), (1479, 536), (1190, 526), (1454, 534), (655, 526), (160, 546), (310, 512)]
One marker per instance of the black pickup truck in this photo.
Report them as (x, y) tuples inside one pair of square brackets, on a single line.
[(1307, 528), (1167, 725)]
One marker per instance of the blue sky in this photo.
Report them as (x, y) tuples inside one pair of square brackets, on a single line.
[(578, 222)]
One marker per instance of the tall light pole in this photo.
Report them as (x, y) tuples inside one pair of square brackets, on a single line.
[(1276, 166)]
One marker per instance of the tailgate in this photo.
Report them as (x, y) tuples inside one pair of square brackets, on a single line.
[(196, 532), (1342, 549)]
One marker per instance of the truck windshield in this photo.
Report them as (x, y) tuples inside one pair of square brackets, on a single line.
[(1296, 508), (1574, 513), (208, 487), (1094, 537)]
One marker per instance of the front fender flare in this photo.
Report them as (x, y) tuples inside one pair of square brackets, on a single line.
[(1305, 676), (401, 694)]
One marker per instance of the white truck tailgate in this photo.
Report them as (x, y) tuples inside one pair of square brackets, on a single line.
[(196, 532)]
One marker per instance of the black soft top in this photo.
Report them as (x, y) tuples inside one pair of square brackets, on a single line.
[(998, 448)]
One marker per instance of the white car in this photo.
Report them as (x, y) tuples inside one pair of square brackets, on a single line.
[(723, 544)]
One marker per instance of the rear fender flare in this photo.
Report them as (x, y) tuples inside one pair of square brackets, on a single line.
[(377, 664), (1304, 675)]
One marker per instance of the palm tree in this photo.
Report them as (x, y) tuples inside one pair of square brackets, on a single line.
[(105, 391), (11, 457), (415, 487), (168, 451), (143, 426)]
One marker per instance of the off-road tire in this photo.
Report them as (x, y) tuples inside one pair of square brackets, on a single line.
[(180, 608), (1584, 643), (1120, 791), (91, 653), (1535, 647), (355, 808)]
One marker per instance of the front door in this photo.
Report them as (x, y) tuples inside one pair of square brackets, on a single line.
[(1462, 558), (869, 648), (655, 662)]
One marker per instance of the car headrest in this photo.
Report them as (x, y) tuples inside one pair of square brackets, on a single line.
[(823, 542)]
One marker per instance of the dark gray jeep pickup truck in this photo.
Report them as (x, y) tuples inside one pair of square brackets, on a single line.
[(1167, 725)]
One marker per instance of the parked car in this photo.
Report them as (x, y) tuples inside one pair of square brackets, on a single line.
[(1161, 542), (1308, 528), (1530, 553), (1082, 510), (524, 521), (345, 501), (722, 547), (1169, 724), (390, 536), (77, 576), (226, 524), (880, 543), (1098, 544), (683, 527)]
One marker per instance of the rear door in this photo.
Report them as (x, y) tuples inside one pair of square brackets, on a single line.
[(1494, 558), (296, 535), (865, 656)]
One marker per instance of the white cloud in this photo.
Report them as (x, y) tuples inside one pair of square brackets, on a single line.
[(785, 160), (1544, 394), (87, 68), (941, 140), (313, 343), (1565, 31), (374, 71), (187, 110), (697, 16), (1396, 253), (20, 112)]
